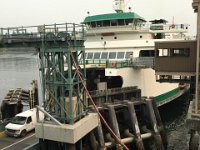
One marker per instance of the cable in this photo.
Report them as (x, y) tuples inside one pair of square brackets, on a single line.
[(96, 108)]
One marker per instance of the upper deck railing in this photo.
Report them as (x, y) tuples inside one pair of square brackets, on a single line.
[(168, 28), (30, 35), (138, 62)]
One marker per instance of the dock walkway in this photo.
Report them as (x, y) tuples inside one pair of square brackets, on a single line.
[(11, 143)]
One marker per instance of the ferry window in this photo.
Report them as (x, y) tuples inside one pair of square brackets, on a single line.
[(93, 24), (180, 52), (121, 22), (156, 27), (90, 56), (114, 22), (147, 53), (120, 55), (97, 55), (128, 55), (165, 52), (106, 23), (112, 55), (104, 55), (99, 24)]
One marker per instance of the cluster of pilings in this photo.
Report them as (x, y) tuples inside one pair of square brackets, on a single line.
[(136, 123), (12, 102)]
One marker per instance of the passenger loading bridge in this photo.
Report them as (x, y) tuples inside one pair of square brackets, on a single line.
[(32, 36), (176, 61), (179, 62)]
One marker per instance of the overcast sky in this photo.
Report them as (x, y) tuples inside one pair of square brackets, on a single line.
[(37, 12)]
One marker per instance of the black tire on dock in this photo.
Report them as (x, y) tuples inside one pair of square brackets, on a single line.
[(194, 141)]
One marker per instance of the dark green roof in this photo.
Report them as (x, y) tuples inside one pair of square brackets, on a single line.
[(113, 16)]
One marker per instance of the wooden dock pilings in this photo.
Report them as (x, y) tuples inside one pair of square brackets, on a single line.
[(13, 102), (134, 122)]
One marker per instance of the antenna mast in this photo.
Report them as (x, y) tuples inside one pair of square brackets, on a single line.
[(119, 6)]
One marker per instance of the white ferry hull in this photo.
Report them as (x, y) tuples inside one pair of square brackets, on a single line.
[(143, 78)]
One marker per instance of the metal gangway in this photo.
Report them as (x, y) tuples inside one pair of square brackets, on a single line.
[(35, 36)]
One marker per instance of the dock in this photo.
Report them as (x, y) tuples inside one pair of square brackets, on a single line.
[(10, 143)]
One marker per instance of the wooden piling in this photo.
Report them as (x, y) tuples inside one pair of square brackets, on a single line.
[(100, 136), (153, 123), (114, 123), (135, 126), (160, 124), (93, 142), (194, 140)]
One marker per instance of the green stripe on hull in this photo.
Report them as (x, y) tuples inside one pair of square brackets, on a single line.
[(170, 96), (167, 95)]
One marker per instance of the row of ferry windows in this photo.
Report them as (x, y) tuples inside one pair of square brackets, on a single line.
[(108, 55)]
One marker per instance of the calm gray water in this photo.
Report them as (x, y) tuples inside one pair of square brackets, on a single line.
[(19, 68)]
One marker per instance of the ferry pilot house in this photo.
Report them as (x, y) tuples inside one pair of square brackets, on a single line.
[(175, 58)]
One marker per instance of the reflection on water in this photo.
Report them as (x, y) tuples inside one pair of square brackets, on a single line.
[(17, 69)]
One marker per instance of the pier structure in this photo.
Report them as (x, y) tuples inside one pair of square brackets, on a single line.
[(193, 119), (60, 46), (70, 119), (180, 64)]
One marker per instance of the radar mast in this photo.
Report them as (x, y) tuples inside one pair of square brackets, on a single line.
[(119, 6)]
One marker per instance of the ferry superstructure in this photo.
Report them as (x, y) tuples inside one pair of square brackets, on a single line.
[(120, 51)]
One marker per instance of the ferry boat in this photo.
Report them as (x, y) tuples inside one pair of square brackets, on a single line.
[(120, 52)]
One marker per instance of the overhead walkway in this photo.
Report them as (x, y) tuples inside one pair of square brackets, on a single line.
[(52, 35)]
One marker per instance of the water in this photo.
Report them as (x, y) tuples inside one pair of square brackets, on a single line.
[(19, 68), (174, 117)]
